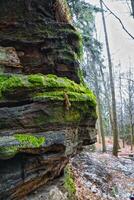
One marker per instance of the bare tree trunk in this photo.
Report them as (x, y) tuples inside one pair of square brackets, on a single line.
[(132, 4), (114, 116), (98, 127), (101, 125), (130, 96), (131, 130), (97, 91), (132, 135), (106, 94), (121, 112)]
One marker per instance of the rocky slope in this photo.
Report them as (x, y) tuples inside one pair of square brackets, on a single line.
[(46, 115), (100, 176), (94, 176)]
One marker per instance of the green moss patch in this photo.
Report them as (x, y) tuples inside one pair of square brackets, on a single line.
[(59, 95), (50, 87), (3, 78), (29, 140), (79, 46), (69, 183), (11, 145)]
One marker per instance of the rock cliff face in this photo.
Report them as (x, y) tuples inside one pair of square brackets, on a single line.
[(44, 42), (46, 115)]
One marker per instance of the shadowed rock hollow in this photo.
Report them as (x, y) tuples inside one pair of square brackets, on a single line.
[(46, 115)]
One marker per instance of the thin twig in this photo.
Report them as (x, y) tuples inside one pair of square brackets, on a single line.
[(119, 21)]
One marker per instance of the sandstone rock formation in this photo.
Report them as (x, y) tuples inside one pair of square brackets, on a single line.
[(46, 115), (44, 45)]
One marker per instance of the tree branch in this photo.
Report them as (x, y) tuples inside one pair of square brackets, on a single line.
[(118, 20)]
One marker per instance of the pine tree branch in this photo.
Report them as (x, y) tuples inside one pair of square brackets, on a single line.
[(118, 20)]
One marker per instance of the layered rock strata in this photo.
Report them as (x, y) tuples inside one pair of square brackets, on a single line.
[(43, 41), (45, 116)]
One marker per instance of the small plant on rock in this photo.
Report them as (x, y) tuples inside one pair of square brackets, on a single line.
[(69, 183)]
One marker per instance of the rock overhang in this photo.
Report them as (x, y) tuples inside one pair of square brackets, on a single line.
[(52, 103), (49, 87)]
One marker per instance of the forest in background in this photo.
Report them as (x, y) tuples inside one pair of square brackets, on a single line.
[(114, 88)]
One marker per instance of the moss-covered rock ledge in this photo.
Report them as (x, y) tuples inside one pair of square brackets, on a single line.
[(11, 145), (39, 86), (44, 102)]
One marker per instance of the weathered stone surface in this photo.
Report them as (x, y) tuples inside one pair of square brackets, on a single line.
[(44, 119), (24, 174), (9, 61), (41, 116), (44, 45), (38, 106), (9, 57)]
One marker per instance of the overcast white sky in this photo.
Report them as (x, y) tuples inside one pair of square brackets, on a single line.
[(121, 45)]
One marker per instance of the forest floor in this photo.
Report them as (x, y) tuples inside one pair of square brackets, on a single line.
[(98, 176), (126, 151), (101, 176)]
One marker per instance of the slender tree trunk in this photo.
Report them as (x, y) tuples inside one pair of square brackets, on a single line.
[(132, 135), (98, 127), (131, 130), (101, 125), (132, 4), (130, 94), (114, 116), (106, 94), (121, 112), (99, 108)]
